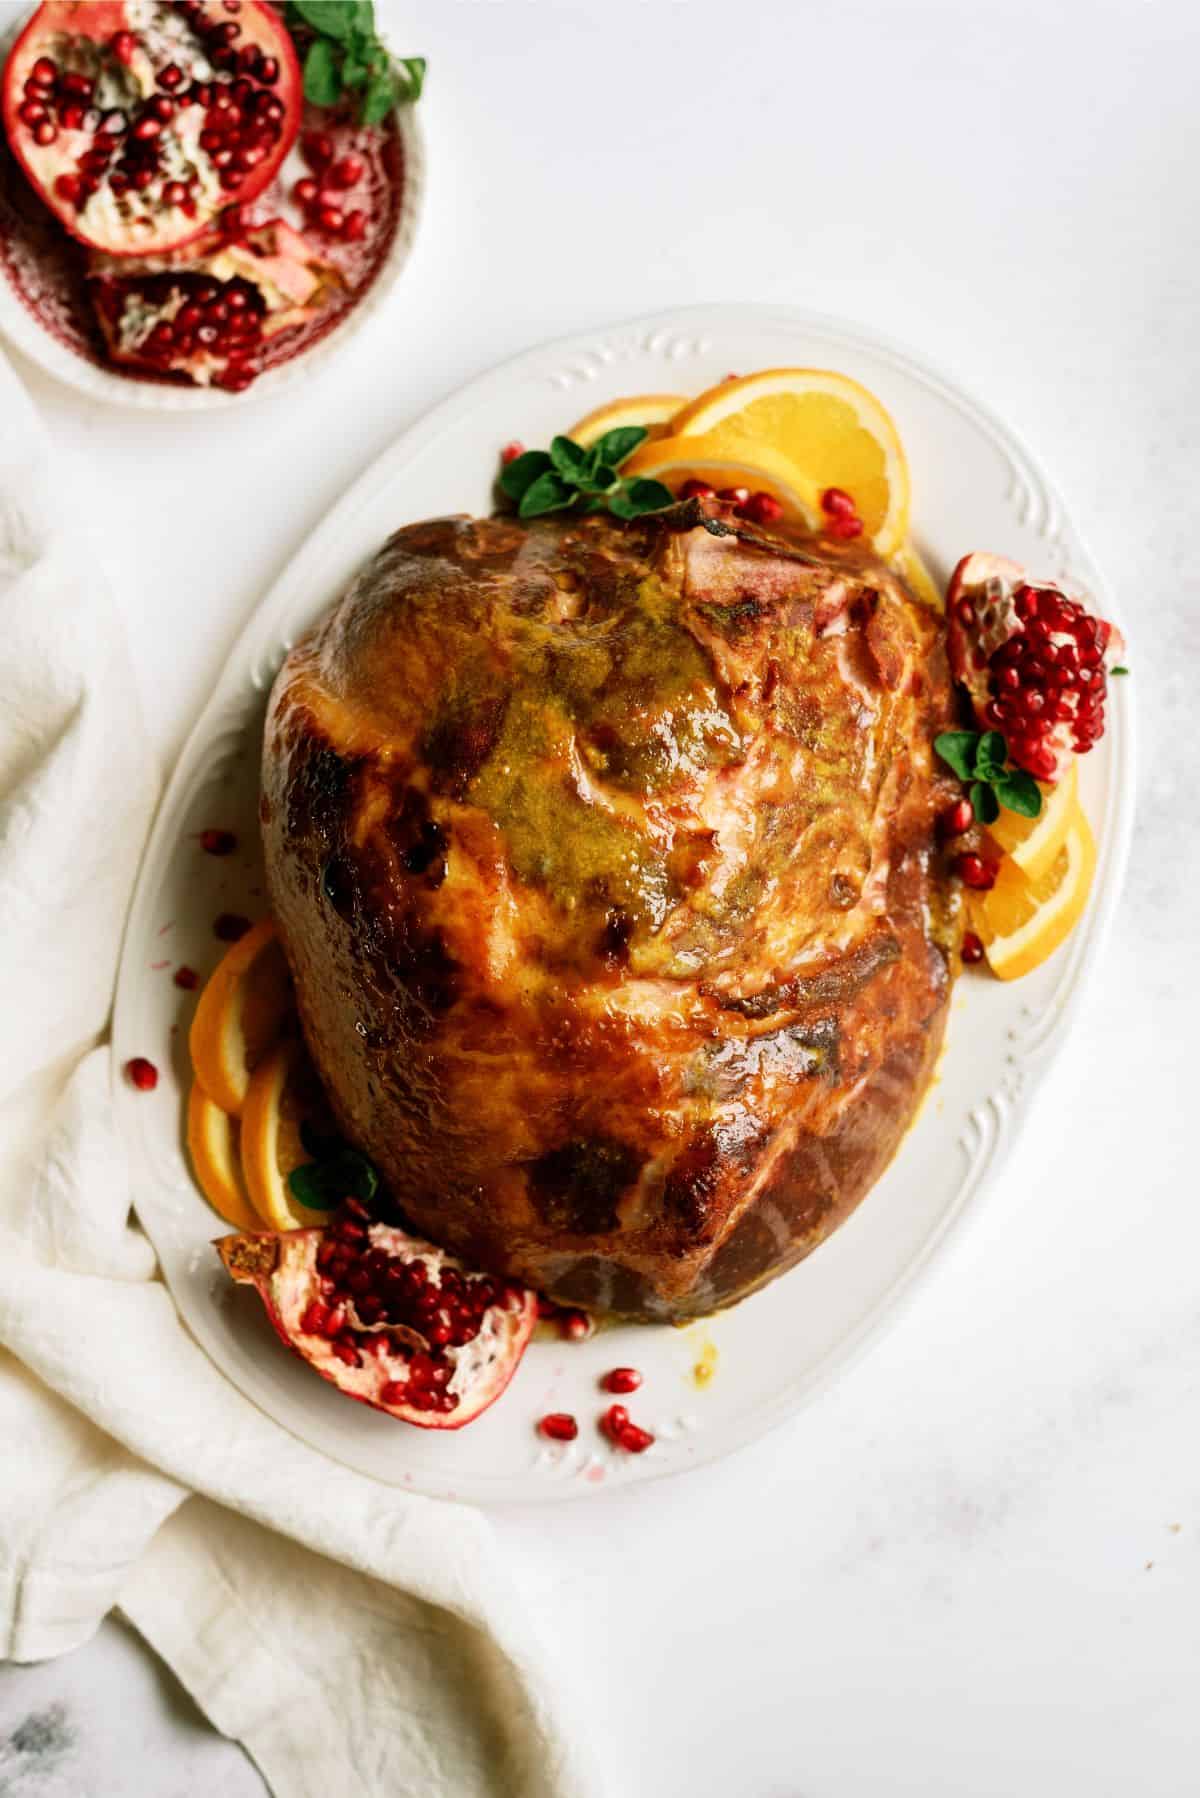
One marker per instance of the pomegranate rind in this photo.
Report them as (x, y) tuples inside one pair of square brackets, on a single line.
[(282, 1267), (98, 21)]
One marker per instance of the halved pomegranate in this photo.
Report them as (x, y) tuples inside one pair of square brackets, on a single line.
[(389, 1319), (207, 311), (1033, 660), (137, 121)]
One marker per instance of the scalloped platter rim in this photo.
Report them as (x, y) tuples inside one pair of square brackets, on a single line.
[(975, 486)]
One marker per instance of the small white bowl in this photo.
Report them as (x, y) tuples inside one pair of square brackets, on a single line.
[(29, 335)]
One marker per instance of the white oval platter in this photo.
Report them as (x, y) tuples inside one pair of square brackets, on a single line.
[(975, 486)]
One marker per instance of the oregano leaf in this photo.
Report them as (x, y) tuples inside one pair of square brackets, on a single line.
[(568, 459), (617, 445), (516, 476), (957, 749), (414, 68), (332, 18), (649, 496), (984, 802), (549, 493), (379, 98), (1019, 792), (991, 754), (322, 81)]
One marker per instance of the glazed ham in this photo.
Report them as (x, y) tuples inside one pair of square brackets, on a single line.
[(605, 858)]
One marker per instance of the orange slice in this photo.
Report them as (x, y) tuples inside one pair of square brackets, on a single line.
[(911, 568), (284, 1093), (240, 1015), (1034, 843), (829, 427), (1023, 921), (654, 410), (674, 460), (212, 1139)]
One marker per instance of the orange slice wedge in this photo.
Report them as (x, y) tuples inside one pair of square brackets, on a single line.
[(212, 1139), (240, 1015), (1034, 843), (830, 428), (284, 1094), (654, 410), (674, 460), (1023, 921)]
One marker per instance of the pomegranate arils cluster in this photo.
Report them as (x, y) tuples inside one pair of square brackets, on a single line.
[(758, 508), (1050, 672), (138, 137)]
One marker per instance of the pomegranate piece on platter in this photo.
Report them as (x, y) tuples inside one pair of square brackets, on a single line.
[(1033, 660), (206, 312), (138, 121), (387, 1318)]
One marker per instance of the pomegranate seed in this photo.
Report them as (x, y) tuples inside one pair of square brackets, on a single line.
[(161, 107), (960, 817), (633, 1440), (141, 1073), (78, 85), (123, 44), (30, 113), (972, 948), (67, 187), (305, 192), (735, 496), (559, 1426), (70, 116), (316, 147), (697, 490), (346, 1351), (355, 227), (975, 872), (838, 504), (171, 77), (576, 1326), (230, 926), (347, 171), (186, 978), (44, 133), (174, 193), (394, 1392), (314, 1319), (622, 1379), (147, 128), (844, 527), (330, 219), (218, 842), (268, 72), (508, 454), (44, 72), (614, 1420), (764, 508)]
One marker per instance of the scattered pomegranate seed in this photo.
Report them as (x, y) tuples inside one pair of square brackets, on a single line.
[(141, 1073), (511, 451), (838, 504), (975, 872), (960, 817), (633, 1440), (844, 527), (736, 496), (622, 1379), (972, 948), (230, 926), (576, 1326), (763, 508), (697, 490), (559, 1426), (614, 1420), (347, 171), (218, 842), (187, 978)]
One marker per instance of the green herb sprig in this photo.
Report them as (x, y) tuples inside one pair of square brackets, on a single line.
[(568, 477), (336, 1172), (980, 759), (347, 57)]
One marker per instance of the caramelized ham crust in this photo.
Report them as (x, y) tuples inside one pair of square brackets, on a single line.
[(605, 859)]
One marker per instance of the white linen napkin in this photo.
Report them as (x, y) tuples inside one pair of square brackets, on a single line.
[(352, 1638)]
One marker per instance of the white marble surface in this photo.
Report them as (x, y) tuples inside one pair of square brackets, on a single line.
[(971, 1570)]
